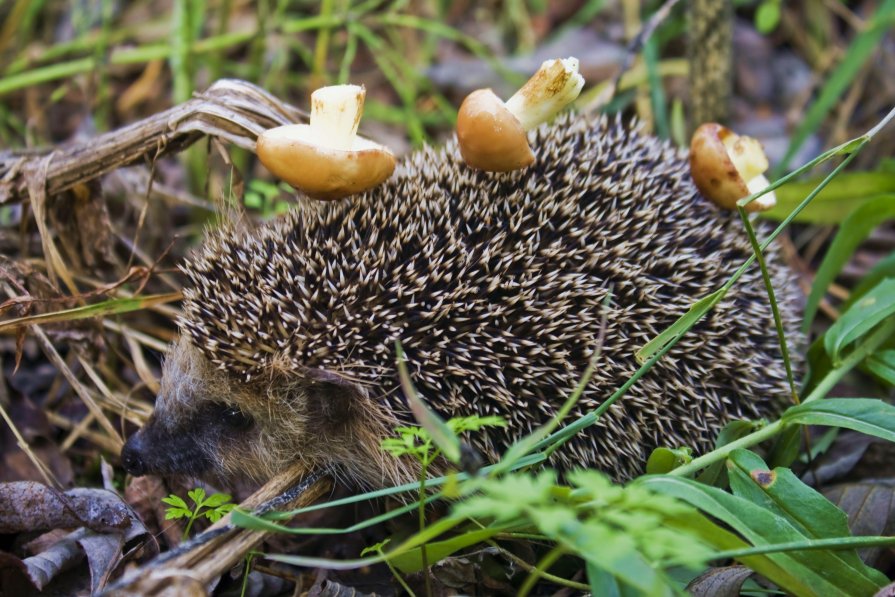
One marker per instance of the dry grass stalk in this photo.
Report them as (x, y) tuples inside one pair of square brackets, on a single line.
[(233, 110)]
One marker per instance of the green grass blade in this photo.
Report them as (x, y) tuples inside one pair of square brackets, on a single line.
[(110, 307), (681, 326), (775, 308)]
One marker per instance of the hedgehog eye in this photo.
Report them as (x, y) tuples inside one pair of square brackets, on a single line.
[(235, 418)]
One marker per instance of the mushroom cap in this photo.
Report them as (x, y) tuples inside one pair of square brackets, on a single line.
[(490, 137), (291, 154), (715, 174)]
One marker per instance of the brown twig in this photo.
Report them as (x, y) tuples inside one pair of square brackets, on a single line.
[(233, 110), (194, 564)]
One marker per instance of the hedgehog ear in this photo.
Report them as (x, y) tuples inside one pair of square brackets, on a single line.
[(332, 398)]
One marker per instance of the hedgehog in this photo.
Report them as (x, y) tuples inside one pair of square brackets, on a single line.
[(496, 286)]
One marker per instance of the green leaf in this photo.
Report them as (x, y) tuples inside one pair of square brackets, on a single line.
[(767, 16), (813, 515), (217, 499), (663, 460), (177, 513), (782, 493), (247, 520), (693, 314), (863, 316), (867, 415), (175, 501), (845, 193), (441, 434), (722, 539), (800, 572), (604, 547), (507, 497), (474, 423), (864, 45), (197, 495), (854, 229), (882, 364)]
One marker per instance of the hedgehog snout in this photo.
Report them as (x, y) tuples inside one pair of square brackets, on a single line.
[(171, 450), (132, 457)]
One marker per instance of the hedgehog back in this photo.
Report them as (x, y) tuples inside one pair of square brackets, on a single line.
[(495, 284)]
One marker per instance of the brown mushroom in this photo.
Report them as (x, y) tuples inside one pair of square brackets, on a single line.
[(492, 134), (326, 159), (727, 167)]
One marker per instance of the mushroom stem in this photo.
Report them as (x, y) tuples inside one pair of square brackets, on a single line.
[(556, 84), (335, 115)]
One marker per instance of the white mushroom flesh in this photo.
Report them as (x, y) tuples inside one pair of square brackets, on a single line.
[(750, 161), (556, 84)]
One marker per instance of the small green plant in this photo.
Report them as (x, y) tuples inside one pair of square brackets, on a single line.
[(213, 507), (418, 443)]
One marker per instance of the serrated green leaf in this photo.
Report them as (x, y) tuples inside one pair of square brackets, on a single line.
[(175, 501), (605, 548), (863, 316), (866, 415), (474, 423), (177, 513), (505, 498), (217, 499), (197, 495), (854, 229)]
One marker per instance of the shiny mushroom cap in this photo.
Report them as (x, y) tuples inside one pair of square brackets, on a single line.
[(727, 167), (489, 136), (492, 134), (326, 159)]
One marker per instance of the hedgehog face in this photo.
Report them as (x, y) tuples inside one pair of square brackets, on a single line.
[(195, 420), (210, 425)]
